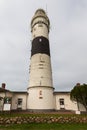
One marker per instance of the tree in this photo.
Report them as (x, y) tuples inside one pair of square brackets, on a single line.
[(79, 94)]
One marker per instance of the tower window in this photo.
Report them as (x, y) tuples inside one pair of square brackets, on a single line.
[(40, 40), (40, 92), (42, 61), (40, 67), (40, 25), (40, 97), (34, 29), (34, 36), (41, 64)]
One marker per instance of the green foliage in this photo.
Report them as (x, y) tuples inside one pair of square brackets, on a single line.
[(7, 100), (79, 94), (46, 126)]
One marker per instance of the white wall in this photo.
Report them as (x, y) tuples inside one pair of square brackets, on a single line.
[(15, 99), (40, 27), (81, 107), (40, 31), (43, 101), (40, 71), (48, 101), (69, 105)]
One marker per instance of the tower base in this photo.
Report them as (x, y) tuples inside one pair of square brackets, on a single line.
[(41, 110), (40, 99)]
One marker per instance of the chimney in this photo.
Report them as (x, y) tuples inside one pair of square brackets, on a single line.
[(3, 85), (78, 84)]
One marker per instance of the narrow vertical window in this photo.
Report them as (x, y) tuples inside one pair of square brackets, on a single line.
[(19, 103), (61, 101), (40, 93), (62, 104)]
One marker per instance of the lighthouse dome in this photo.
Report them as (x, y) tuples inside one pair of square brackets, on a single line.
[(40, 13)]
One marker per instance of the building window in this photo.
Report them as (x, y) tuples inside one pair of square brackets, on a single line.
[(20, 101), (61, 100), (40, 25), (7, 100)]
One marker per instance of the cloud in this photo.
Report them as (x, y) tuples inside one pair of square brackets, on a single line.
[(69, 47)]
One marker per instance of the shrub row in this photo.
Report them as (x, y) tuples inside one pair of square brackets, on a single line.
[(60, 119)]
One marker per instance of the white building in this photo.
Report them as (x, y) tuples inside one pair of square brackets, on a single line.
[(40, 95), (18, 101)]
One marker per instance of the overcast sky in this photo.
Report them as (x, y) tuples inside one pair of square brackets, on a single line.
[(68, 41)]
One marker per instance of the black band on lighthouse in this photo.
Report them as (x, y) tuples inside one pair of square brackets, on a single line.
[(40, 45)]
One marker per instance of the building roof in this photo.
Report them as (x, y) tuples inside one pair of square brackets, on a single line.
[(23, 92), (4, 90), (61, 92)]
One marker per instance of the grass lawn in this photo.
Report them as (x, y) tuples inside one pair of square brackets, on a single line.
[(45, 126)]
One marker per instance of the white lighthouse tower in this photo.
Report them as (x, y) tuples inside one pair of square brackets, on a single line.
[(40, 74)]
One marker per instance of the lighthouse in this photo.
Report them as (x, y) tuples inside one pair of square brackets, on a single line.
[(40, 89)]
